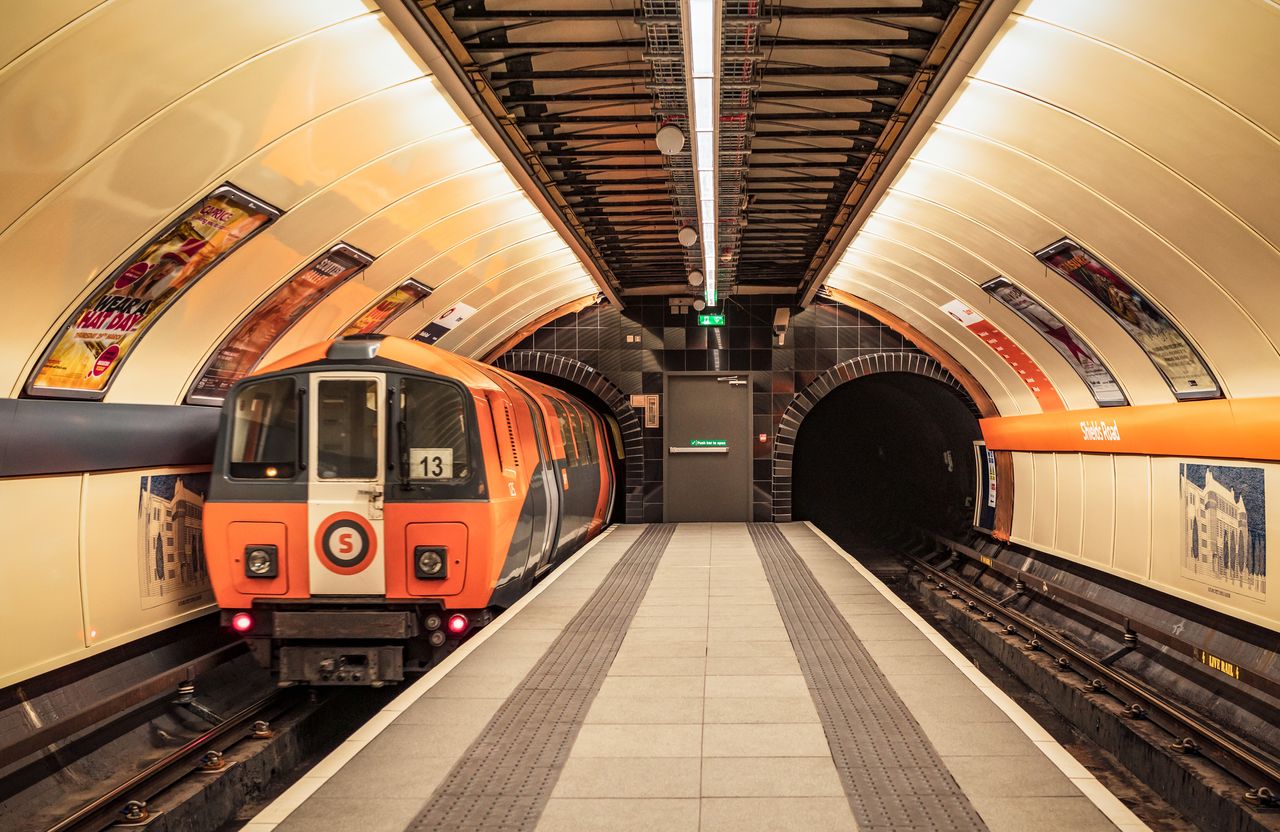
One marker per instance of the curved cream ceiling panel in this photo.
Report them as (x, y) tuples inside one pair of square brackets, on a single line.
[(82, 90), (919, 304), (27, 24), (940, 265), (337, 310), (1141, 381), (1159, 113), (1231, 253), (521, 295), (1244, 361), (1157, 31), (487, 337), (1008, 394), (98, 215), (373, 208)]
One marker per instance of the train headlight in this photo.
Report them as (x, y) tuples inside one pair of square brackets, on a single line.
[(429, 562), (261, 561)]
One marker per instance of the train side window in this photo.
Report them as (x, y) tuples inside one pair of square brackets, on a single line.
[(571, 453), (347, 428), (264, 431), (579, 436), (435, 430), (588, 433)]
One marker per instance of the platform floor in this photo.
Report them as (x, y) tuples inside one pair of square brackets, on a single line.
[(655, 684)]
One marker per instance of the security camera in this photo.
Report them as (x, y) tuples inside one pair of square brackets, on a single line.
[(781, 317)]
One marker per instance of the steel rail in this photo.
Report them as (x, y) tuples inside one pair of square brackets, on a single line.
[(1234, 751), (103, 811)]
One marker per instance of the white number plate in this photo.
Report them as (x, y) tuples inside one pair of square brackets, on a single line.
[(431, 463)]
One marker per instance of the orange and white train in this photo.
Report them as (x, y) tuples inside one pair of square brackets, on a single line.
[(375, 499)]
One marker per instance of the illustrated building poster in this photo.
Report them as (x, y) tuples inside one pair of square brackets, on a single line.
[(1013, 355), (1106, 391), (171, 564), (1182, 367), (392, 305), (240, 352), (1224, 528), (97, 339)]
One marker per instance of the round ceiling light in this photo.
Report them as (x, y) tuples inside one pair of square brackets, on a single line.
[(670, 139), (687, 235), (699, 304), (696, 277)]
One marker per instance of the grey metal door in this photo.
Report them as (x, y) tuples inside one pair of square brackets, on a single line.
[(707, 448)]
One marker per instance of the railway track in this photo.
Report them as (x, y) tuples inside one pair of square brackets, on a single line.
[(200, 756), (1254, 770)]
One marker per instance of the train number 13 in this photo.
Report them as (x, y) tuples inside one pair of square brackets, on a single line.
[(431, 463)]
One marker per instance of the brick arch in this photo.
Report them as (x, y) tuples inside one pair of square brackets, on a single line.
[(784, 442), (585, 376)]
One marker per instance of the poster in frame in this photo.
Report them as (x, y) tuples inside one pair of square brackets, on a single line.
[(93, 343), (1093, 372), (386, 309), (985, 488), (1186, 373), (243, 348)]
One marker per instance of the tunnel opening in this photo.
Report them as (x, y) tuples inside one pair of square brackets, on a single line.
[(884, 453), (617, 511)]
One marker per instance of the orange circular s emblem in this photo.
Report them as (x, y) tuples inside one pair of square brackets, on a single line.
[(346, 543)]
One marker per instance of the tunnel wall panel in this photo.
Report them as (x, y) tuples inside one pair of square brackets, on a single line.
[(1143, 499), (40, 576)]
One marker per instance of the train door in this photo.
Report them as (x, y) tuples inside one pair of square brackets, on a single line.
[(545, 486), (345, 481)]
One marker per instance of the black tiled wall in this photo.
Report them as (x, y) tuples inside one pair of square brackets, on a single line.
[(633, 347)]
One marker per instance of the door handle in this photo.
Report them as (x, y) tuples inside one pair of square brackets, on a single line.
[(723, 449)]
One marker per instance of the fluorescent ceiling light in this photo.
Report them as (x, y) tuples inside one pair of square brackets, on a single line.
[(701, 18)]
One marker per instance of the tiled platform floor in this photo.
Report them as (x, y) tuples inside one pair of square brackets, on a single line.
[(704, 721)]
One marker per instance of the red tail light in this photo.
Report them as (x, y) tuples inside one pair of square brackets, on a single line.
[(241, 622), (458, 624)]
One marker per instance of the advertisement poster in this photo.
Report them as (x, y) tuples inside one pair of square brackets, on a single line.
[(1224, 528), (1012, 354), (446, 321), (1164, 344), (1106, 392), (394, 304), (984, 509), (170, 549), (97, 339), (241, 351)]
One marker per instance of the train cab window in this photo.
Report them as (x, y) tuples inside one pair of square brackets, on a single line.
[(264, 431), (347, 429), (435, 432)]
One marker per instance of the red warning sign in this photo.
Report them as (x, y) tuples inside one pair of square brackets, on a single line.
[(1013, 355)]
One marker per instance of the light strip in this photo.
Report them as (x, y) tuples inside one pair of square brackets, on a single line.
[(701, 17)]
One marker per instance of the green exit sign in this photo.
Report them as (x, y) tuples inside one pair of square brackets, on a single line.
[(708, 443), (711, 319)]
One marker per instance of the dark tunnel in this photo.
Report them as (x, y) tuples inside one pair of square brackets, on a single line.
[(884, 452)]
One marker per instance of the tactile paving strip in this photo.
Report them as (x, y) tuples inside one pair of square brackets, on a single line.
[(503, 781), (891, 773)]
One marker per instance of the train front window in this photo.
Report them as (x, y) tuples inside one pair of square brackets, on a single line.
[(264, 431), (347, 429), (435, 431)]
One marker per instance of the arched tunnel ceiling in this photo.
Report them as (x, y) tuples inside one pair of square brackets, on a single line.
[(1102, 122), (1113, 125)]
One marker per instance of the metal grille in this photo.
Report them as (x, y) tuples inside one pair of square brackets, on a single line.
[(503, 781), (892, 774)]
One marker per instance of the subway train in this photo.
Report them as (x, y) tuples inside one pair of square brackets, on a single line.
[(374, 499)]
